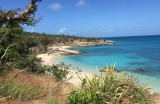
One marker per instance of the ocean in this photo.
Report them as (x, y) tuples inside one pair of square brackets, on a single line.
[(129, 54)]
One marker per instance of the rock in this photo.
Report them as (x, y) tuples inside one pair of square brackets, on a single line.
[(97, 43), (142, 70)]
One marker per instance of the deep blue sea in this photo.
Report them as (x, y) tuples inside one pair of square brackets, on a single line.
[(128, 54)]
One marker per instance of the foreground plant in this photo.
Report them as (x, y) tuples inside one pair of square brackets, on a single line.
[(110, 88)]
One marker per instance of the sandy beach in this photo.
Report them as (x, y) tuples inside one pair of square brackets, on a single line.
[(56, 51)]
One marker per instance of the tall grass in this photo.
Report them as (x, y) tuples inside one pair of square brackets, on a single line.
[(110, 88), (14, 88), (55, 100), (52, 100)]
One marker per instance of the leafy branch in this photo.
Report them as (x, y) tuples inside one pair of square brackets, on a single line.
[(12, 17)]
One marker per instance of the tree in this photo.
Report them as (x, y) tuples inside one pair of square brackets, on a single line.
[(44, 40), (11, 19), (7, 46)]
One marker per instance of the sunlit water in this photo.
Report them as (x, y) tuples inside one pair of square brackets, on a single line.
[(129, 54)]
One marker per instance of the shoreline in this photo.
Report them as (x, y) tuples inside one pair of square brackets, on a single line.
[(64, 51), (57, 51)]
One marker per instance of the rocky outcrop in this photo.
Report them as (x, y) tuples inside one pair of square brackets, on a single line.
[(97, 43), (142, 70), (61, 50)]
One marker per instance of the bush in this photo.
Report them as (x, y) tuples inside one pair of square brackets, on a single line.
[(110, 88), (80, 97), (31, 64), (5, 68), (59, 72)]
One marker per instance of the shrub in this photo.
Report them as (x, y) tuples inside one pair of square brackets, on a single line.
[(31, 64), (110, 88), (80, 97), (59, 72), (5, 68)]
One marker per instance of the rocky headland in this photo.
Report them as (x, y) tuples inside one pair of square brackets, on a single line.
[(96, 43)]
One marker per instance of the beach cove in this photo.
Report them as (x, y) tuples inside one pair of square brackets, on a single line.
[(75, 74), (80, 52), (94, 59)]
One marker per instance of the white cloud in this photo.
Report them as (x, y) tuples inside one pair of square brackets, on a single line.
[(80, 3), (55, 6), (62, 30), (31, 29)]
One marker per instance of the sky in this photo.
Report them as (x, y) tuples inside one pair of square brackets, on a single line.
[(93, 18)]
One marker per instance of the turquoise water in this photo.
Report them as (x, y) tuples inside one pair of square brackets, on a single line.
[(129, 54)]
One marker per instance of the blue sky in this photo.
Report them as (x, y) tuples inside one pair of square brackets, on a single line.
[(94, 18)]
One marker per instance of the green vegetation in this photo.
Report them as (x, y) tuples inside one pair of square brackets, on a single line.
[(26, 45), (31, 63), (12, 43), (110, 88), (58, 71), (42, 41)]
